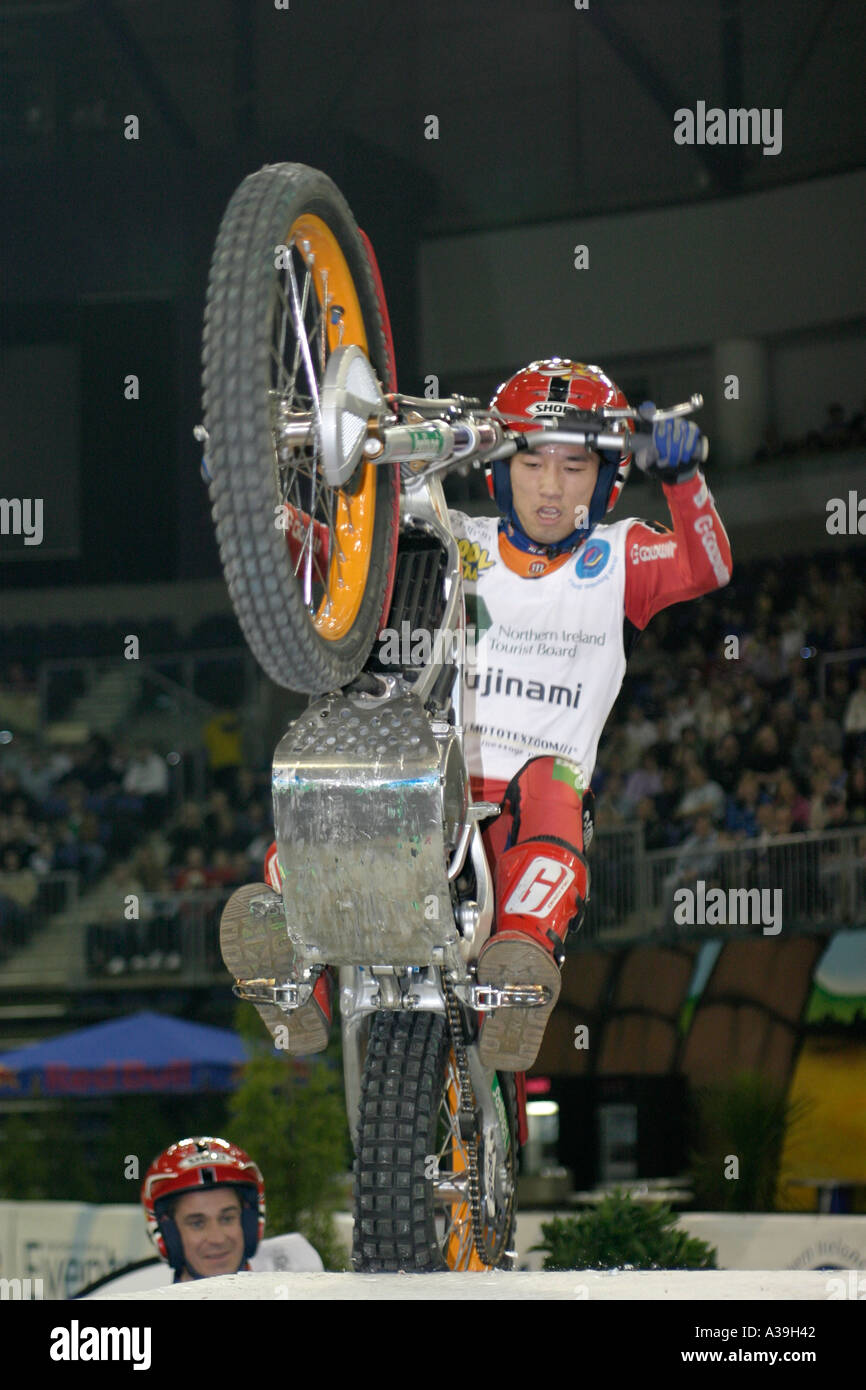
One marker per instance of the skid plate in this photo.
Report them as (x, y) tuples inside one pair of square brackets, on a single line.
[(358, 811)]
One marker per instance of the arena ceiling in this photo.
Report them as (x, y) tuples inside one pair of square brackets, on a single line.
[(544, 110)]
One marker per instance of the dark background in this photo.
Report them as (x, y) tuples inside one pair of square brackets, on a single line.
[(546, 112)]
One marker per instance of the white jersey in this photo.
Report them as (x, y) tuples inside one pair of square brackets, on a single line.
[(549, 653), (292, 1253)]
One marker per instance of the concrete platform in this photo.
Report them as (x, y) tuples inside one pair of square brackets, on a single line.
[(574, 1286)]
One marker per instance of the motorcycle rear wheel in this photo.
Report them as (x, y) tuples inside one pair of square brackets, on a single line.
[(409, 1148), (309, 567)]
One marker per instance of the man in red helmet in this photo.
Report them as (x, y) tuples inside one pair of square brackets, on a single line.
[(204, 1204), (557, 599)]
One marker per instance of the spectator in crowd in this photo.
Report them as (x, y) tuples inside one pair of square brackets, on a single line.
[(654, 833), (821, 791), (855, 794), (714, 716), (260, 828), (639, 734), (645, 781), (835, 812), (187, 831), (221, 736), (784, 722), (41, 860), (838, 694), (681, 716), (666, 803), (14, 797), (697, 858), (194, 874), (741, 811), (854, 717), (724, 763), (247, 792), (71, 853), (217, 807), (797, 805), (113, 938), (18, 890), (17, 881), (764, 754), (701, 796), (147, 865), (147, 777)]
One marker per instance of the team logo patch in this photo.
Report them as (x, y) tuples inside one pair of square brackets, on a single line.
[(474, 559), (540, 887), (592, 559)]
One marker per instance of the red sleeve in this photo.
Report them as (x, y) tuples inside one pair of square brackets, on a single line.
[(664, 566)]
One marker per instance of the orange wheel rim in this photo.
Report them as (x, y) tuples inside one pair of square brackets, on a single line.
[(354, 516)]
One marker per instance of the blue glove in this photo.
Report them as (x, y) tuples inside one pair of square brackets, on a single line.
[(673, 451)]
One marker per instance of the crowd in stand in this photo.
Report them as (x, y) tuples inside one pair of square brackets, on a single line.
[(839, 431), (107, 812), (722, 735)]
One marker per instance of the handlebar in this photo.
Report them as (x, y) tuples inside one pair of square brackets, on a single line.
[(427, 436)]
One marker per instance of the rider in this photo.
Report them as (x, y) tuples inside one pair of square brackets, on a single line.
[(557, 599), (204, 1203)]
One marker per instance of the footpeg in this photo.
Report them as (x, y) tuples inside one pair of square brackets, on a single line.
[(288, 996), (485, 998)]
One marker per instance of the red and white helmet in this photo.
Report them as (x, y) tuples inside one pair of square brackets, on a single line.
[(191, 1164), (551, 388)]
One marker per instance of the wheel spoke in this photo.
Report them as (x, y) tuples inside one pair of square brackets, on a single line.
[(300, 327)]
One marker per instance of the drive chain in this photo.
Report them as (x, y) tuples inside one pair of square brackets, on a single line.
[(468, 1114)]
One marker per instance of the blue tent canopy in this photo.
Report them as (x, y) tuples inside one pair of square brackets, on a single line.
[(126, 1056)]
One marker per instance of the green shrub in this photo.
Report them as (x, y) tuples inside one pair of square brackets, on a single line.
[(745, 1118), (619, 1233), (291, 1119)]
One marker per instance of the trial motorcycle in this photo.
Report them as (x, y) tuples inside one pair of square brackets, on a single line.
[(332, 526)]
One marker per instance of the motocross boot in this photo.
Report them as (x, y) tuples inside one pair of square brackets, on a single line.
[(541, 881), (539, 885), (258, 948)]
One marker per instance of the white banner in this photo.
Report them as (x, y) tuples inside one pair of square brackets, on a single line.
[(68, 1244)]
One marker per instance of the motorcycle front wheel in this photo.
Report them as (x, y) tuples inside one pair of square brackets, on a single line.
[(309, 567), (412, 1209)]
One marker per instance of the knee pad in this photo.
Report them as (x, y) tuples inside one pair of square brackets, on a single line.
[(549, 797)]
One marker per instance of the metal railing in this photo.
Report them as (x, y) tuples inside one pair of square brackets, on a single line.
[(774, 886), (175, 938), (826, 659), (57, 892), (770, 885)]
